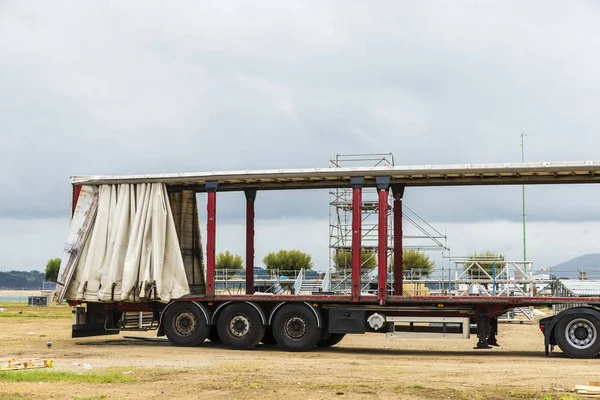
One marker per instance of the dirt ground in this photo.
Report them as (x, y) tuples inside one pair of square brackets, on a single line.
[(361, 366)]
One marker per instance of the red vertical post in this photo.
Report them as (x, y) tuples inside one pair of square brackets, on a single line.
[(383, 184), (211, 236), (356, 184), (76, 192), (398, 191), (250, 197)]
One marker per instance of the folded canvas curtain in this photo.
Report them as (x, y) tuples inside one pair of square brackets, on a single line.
[(132, 252)]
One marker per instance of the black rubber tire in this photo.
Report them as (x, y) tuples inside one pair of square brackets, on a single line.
[(578, 335), (269, 338), (295, 327), (240, 326), (331, 339), (213, 336), (185, 324)]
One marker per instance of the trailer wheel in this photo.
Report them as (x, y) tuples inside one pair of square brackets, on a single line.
[(295, 327), (331, 339), (269, 338), (185, 324), (213, 336), (240, 326), (577, 335)]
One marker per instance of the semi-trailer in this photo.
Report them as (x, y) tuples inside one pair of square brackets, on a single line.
[(134, 260)]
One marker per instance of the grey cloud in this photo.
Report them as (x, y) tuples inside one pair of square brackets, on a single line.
[(142, 89)]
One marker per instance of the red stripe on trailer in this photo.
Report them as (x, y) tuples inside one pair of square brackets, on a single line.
[(76, 191), (382, 209), (356, 235), (250, 197), (211, 237)]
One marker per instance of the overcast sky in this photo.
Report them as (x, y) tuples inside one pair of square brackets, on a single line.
[(126, 87)]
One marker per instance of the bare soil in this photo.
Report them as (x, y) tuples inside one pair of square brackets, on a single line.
[(361, 366)]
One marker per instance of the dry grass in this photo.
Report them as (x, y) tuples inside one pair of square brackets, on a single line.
[(46, 375)]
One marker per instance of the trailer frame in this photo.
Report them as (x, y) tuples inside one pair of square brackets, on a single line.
[(299, 322)]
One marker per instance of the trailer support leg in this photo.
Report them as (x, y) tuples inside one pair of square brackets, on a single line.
[(357, 184), (250, 198), (483, 330), (398, 191), (492, 341), (383, 184), (211, 188)]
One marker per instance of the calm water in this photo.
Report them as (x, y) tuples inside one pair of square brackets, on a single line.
[(14, 299)]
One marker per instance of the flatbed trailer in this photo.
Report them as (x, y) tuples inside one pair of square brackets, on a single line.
[(296, 322)]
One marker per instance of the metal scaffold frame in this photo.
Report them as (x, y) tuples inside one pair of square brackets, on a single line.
[(496, 277), (340, 222)]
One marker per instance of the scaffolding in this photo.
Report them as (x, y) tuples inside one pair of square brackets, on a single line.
[(419, 234), (496, 277)]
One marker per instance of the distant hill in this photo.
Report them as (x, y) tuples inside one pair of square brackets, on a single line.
[(21, 279), (588, 262)]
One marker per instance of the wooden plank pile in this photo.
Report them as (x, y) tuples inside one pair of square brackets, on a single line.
[(14, 364), (591, 390)]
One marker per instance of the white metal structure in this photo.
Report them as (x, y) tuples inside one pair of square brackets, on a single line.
[(487, 277), (425, 175)]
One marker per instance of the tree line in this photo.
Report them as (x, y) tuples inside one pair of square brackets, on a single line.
[(295, 260), (21, 280), (283, 260), (412, 260)]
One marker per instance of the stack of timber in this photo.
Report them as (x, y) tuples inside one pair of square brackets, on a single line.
[(14, 364), (591, 390)]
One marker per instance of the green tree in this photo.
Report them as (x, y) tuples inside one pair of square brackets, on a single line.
[(288, 260), (486, 260), (52, 268), (342, 260), (413, 260), (21, 280), (231, 262)]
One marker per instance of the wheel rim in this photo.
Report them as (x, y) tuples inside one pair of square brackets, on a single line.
[(239, 326), (296, 328), (581, 333), (185, 323)]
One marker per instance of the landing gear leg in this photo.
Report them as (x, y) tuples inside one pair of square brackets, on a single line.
[(483, 331), (493, 332)]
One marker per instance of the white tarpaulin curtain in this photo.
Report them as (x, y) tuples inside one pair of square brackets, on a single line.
[(133, 252)]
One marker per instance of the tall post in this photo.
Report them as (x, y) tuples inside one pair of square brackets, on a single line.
[(211, 237), (357, 184), (523, 194), (383, 185), (250, 198), (398, 191)]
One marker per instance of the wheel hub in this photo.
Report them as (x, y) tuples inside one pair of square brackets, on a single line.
[(581, 333), (239, 326), (296, 328), (185, 323)]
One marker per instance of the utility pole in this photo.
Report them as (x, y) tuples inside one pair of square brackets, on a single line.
[(523, 134)]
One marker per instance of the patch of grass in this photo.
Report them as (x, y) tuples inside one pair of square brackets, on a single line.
[(21, 310), (10, 314), (44, 375), (523, 395), (96, 397), (9, 304), (564, 396), (417, 387)]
